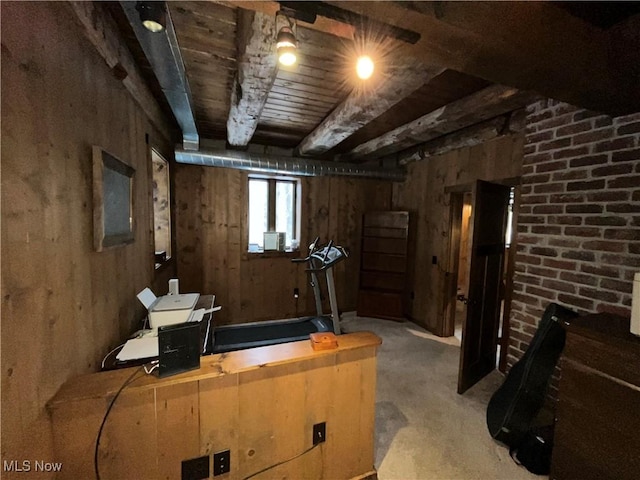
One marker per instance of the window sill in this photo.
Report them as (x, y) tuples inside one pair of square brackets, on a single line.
[(274, 254), (160, 266)]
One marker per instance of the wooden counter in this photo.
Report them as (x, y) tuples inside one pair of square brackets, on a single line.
[(261, 404)]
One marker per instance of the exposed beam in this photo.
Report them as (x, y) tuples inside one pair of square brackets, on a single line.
[(467, 137), (527, 45), (487, 103), (257, 70), (321, 24), (103, 33), (363, 106)]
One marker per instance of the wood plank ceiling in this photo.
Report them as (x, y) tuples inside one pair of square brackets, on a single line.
[(316, 108)]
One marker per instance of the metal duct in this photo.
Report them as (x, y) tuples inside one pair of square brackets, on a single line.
[(285, 165), (163, 53)]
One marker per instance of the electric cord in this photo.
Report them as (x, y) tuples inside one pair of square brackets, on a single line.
[(282, 462), (107, 355), (104, 420)]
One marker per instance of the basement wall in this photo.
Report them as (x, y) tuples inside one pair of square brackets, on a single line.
[(212, 237), (423, 194), (64, 306), (578, 231)]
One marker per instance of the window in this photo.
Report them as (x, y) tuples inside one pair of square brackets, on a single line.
[(274, 206), (161, 209)]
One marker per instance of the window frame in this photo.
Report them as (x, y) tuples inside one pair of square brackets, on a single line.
[(155, 155), (272, 181)]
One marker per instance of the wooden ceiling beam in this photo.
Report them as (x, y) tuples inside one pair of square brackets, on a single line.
[(477, 107), (507, 124), (528, 45), (361, 107), (257, 70), (321, 24)]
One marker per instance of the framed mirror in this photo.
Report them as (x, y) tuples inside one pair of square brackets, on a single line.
[(112, 201)]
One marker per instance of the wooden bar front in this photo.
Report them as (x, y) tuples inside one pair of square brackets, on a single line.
[(260, 403)]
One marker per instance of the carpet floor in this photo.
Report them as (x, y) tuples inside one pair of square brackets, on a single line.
[(424, 429)]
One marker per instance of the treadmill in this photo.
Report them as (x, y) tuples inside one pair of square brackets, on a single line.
[(228, 338)]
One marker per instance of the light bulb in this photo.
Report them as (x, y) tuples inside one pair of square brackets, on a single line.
[(287, 56), (364, 67)]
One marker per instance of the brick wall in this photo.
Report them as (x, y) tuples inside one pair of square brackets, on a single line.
[(578, 231)]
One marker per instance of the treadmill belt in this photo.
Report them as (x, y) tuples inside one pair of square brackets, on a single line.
[(286, 332)]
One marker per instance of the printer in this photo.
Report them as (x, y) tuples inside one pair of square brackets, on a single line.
[(168, 309)]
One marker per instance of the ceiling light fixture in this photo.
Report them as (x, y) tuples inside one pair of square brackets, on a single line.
[(152, 15), (286, 43), (364, 67)]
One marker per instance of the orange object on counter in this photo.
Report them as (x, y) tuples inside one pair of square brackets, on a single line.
[(323, 340)]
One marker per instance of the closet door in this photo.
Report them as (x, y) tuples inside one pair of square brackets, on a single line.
[(383, 265)]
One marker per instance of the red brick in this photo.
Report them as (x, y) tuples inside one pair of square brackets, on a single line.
[(525, 209), (546, 230), (603, 121), (593, 136), (526, 299), (584, 208), (551, 166), (556, 144), (618, 196), (634, 248), (630, 181), (622, 234), (537, 158), (574, 128), (560, 264), (607, 220), (541, 292), (615, 144), (530, 199), (626, 155), (549, 188), (629, 128), (535, 118), (612, 170), (623, 207), (544, 252), (541, 178), (636, 196), (590, 185), (571, 152), (616, 285), (564, 242), (539, 137), (580, 278), (601, 295), (530, 219), (554, 122), (570, 175), (547, 209), (626, 261), (528, 259), (522, 228), (579, 255), (572, 301), (588, 160), (567, 287), (528, 170), (600, 271), (564, 220), (604, 246), (567, 198), (528, 240), (529, 149), (526, 279), (633, 117), (582, 231)]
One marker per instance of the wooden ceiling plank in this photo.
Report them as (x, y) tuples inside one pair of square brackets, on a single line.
[(359, 109), (557, 55), (487, 103), (290, 91), (257, 69), (301, 100)]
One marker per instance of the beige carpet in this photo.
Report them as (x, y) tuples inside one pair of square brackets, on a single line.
[(424, 429)]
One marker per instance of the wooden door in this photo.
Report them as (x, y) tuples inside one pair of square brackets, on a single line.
[(480, 330)]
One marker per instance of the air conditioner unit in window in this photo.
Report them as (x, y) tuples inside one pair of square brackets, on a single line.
[(274, 241)]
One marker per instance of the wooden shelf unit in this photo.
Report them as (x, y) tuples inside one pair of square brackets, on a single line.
[(383, 265)]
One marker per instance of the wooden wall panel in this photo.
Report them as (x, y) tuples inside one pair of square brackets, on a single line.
[(212, 233), (261, 404), (423, 193), (64, 306)]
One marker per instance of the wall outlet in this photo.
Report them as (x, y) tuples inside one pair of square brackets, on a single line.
[(319, 433), (195, 468), (221, 462)]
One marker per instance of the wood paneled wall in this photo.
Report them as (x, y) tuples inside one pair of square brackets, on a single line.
[(212, 250), (423, 193), (64, 306)]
